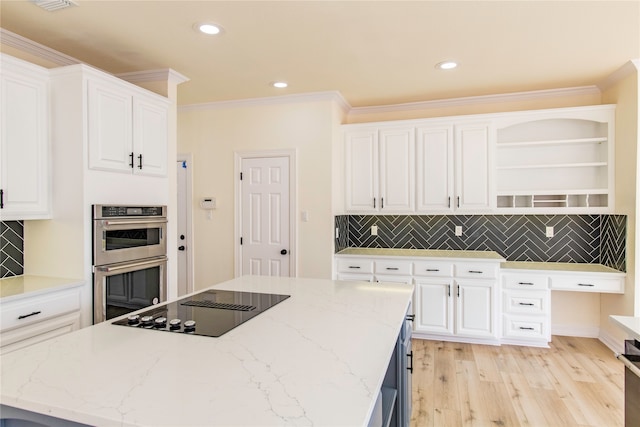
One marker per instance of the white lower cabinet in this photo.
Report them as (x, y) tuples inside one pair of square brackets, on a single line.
[(33, 319), (526, 308)]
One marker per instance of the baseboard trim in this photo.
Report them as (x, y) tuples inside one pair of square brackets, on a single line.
[(576, 331), (611, 341)]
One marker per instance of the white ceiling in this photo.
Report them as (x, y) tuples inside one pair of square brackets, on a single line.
[(372, 52)]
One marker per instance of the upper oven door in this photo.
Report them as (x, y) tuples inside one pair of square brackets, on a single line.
[(119, 240)]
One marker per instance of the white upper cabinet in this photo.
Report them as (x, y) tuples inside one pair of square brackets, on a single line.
[(128, 129), (454, 168), (110, 125), (434, 171), (543, 161), (556, 160), (380, 170), (24, 141), (473, 168)]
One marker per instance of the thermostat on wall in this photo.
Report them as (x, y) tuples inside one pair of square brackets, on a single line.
[(208, 203)]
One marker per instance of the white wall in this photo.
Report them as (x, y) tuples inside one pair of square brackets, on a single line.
[(212, 134), (626, 94)]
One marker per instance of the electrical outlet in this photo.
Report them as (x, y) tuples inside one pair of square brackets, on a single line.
[(549, 232), (374, 230), (337, 232), (458, 230)]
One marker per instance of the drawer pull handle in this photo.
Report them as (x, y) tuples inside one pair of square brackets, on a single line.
[(411, 317), (433, 269), (525, 283), (525, 303), (526, 329), (24, 316), (354, 266), (585, 284), (475, 271), (410, 367), (392, 268)]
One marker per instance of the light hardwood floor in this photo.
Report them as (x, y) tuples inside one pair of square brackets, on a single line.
[(576, 382)]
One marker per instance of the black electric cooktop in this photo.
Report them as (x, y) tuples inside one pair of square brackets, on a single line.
[(209, 313)]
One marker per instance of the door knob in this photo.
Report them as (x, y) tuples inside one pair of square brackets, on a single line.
[(283, 252), (181, 248), (182, 237)]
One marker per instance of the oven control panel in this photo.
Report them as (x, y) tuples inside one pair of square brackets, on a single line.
[(112, 211)]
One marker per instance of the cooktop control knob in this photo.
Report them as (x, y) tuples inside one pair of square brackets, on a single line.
[(134, 319), (175, 323), (160, 322), (147, 320), (190, 325)]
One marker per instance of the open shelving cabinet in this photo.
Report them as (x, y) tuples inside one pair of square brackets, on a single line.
[(556, 160)]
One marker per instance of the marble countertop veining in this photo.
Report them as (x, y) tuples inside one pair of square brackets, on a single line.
[(317, 358), (430, 253), (27, 285)]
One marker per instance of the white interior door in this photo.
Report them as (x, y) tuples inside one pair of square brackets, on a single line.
[(184, 261), (265, 214)]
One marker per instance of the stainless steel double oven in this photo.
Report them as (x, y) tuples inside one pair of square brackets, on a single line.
[(129, 259)]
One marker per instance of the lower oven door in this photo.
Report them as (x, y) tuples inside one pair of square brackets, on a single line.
[(128, 286)]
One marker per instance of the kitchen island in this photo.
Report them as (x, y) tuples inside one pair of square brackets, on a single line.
[(317, 358)]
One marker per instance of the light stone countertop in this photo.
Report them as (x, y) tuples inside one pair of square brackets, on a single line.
[(429, 253), (629, 324), (28, 285), (570, 267), (317, 358)]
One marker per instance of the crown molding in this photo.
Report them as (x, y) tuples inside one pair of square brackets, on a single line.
[(475, 100), (163, 75), (39, 50), (627, 69), (334, 96)]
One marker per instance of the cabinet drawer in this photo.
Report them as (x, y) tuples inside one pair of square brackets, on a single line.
[(355, 265), (525, 327), (588, 284), (526, 302), (526, 282), (393, 267), (476, 270), (38, 332), (31, 310), (433, 268)]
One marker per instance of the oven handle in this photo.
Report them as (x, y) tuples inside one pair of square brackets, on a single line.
[(628, 364), (134, 221), (155, 261)]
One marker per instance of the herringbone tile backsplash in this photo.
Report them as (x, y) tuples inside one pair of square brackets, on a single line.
[(11, 248), (577, 238)]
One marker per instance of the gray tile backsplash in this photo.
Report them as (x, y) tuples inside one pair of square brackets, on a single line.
[(577, 238), (11, 248)]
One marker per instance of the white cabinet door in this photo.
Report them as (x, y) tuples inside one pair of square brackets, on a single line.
[(434, 151), (110, 127), (128, 131), (150, 137), (24, 142), (361, 174), (473, 165), (397, 170), (475, 308), (434, 306)]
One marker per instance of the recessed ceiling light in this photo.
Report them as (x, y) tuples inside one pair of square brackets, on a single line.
[(446, 65), (280, 85), (208, 28)]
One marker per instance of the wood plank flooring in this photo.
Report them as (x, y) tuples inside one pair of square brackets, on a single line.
[(576, 382)]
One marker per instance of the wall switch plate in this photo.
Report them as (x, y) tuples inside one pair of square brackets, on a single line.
[(337, 232), (549, 232), (458, 230), (304, 216), (374, 230)]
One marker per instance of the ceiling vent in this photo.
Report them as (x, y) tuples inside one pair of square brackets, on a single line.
[(53, 5)]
